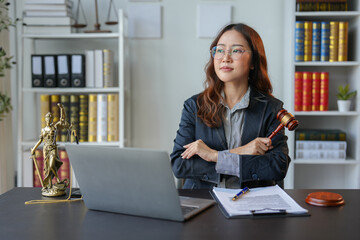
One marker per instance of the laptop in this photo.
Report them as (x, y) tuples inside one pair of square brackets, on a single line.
[(131, 181)]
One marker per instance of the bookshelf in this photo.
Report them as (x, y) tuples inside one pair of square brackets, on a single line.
[(315, 173), (29, 122)]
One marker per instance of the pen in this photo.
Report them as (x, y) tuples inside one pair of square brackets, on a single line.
[(242, 192)]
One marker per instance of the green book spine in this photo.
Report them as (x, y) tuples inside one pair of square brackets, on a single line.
[(83, 117), (74, 114)]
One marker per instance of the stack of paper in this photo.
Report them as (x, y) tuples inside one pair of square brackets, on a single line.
[(258, 201)]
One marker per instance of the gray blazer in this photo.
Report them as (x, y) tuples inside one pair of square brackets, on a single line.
[(260, 121)]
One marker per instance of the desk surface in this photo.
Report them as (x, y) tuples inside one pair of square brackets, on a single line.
[(75, 221)]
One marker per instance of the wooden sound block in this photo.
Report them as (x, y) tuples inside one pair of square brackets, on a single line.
[(325, 199)]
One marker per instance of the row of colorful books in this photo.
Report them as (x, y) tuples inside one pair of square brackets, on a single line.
[(48, 17), (321, 5), (320, 150), (31, 177), (95, 117), (321, 41), (94, 69), (311, 91)]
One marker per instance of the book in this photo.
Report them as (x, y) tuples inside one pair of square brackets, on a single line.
[(343, 41), (74, 115), (298, 91), (64, 170), (320, 145), (316, 41), (108, 70), (98, 68), (101, 118), (325, 41), (307, 91), (334, 41), (40, 163), (307, 41), (48, 13), (83, 117), (299, 41), (55, 29), (89, 68), (113, 117), (321, 154), (320, 134), (55, 110), (315, 105), (321, 5), (48, 21), (65, 101), (324, 91), (92, 125), (48, 2), (44, 108), (50, 7)]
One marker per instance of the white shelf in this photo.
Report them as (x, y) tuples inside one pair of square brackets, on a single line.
[(327, 64), (29, 108), (30, 144), (323, 161), (306, 173), (327, 15), (72, 36), (71, 90), (326, 113)]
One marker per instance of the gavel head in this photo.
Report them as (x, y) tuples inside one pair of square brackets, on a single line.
[(287, 119)]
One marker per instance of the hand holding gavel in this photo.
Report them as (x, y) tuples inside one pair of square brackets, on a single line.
[(286, 120)]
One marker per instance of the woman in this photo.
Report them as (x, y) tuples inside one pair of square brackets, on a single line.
[(222, 137)]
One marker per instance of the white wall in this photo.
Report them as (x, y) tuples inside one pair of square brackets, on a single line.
[(166, 71)]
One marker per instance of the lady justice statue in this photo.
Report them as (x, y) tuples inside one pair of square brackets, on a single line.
[(51, 156)]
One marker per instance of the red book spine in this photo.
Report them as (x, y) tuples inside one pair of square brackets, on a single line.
[(316, 91), (298, 91), (64, 171), (40, 163), (307, 87), (324, 91)]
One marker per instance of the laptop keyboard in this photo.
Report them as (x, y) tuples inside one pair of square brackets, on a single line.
[(187, 209)]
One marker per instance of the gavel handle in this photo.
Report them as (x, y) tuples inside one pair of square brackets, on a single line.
[(276, 131)]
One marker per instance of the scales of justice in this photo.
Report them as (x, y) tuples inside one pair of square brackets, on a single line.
[(52, 162), (81, 22)]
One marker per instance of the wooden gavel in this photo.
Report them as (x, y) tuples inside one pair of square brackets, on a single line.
[(286, 120)]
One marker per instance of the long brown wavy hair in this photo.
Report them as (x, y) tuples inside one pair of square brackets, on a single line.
[(211, 110)]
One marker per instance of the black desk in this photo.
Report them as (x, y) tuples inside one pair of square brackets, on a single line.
[(74, 221)]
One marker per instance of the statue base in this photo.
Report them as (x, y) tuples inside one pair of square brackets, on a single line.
[(56, 190)]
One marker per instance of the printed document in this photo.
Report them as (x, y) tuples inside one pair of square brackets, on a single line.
[(257, 201)]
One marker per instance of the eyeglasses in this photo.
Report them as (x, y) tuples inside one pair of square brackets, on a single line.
[(218, 52)]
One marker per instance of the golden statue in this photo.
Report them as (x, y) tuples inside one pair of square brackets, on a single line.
[(52, 162)]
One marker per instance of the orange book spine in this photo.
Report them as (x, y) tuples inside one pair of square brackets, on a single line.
[(44, 108), (298, 91), (307, 87), (64, 171), (334, 42), (40, 163), (113, 117), (307, 41), (316, 91), (324, 91), (343, 41)]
